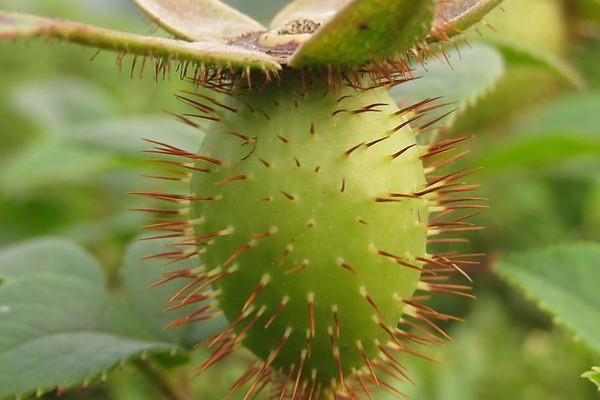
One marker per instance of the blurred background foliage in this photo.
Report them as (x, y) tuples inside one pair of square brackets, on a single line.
[(71, 131)]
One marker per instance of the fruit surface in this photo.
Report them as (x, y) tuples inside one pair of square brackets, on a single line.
[(308, 222)]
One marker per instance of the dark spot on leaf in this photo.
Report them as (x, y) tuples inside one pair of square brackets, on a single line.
[(364, 26)]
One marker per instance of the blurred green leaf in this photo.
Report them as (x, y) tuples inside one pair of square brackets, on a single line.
[(522, 214), (472, 72), (60, 257), (125, 135), (591, 211), (571, 113), (561, 130), (98, 230), (17, 25), (60, 325), (538, 150), (150, 303), (199, 20), (538, 24), (367, 30), (81, 113), (564, 281), (517, 53), (61, 101), (593, 375), (49, 162)]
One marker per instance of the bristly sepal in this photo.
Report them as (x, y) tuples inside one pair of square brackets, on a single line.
[(453, 17), (338, 35), (363, 32), (199, 20), (205, 54)]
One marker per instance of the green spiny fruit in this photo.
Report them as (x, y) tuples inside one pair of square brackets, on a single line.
[(310, 210), (303, 214)]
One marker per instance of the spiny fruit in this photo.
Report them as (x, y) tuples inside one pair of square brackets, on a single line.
[(310, 212)]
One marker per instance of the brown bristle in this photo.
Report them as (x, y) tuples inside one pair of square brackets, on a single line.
[(284, 140), (239, 135), (231, 179), (289, 196), (403, 150), (371, 302), (297, 268), (265, 163), (259, 288), (353, 148), (365, 357), (406, 123), (311, 313)]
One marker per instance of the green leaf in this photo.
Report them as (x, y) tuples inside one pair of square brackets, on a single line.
[(150, 302), (113, 227), (81, 113), (538, 150), (473, 71), (577, 113), (564, 281), (199, 20), (565, 129), (60, 327), (17, 25), (60, 256), (453, 17), (593, 375), (61, 101), (50, 162), (515, 53), (367, 30)]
